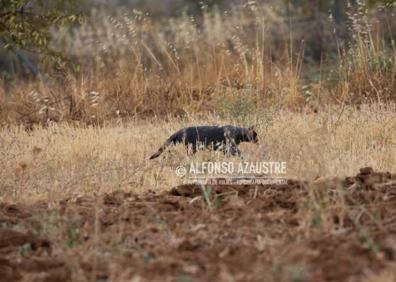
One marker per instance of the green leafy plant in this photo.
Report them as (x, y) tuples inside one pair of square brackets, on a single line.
[(27, 24)]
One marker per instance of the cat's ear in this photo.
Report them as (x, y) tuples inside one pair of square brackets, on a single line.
[(253, 127)]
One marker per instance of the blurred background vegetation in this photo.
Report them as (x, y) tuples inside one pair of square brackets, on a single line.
[(92, 60)]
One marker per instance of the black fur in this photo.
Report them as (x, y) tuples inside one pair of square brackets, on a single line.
[(227, 138)]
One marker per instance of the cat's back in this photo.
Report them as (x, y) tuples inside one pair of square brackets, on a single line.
[(203, 132)]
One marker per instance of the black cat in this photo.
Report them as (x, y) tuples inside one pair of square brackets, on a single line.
[(225, 138)]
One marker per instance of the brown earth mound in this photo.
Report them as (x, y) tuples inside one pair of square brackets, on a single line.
[(328, 230)]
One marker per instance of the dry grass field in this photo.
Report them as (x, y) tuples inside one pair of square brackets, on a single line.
[(62, 159), (80, 201)]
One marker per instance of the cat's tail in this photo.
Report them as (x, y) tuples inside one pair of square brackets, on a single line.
[(160, 150), (171, 140)]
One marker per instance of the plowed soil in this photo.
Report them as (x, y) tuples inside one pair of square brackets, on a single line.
[(327, 230)]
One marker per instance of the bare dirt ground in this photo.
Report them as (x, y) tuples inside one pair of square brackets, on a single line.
[(327, 230)]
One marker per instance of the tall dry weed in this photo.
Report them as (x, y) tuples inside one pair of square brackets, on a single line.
[(228, 62)]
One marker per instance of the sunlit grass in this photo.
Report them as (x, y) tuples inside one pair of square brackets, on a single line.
[(63, 160)]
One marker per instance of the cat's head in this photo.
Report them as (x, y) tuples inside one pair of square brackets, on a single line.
[(250, 134)]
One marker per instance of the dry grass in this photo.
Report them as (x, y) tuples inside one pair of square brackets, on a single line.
[(223, 63), (62, 160)]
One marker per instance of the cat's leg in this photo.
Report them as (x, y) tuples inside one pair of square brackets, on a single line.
[(218, 146), (231, 145), (234, 151), (191, 148), (231, 149)]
